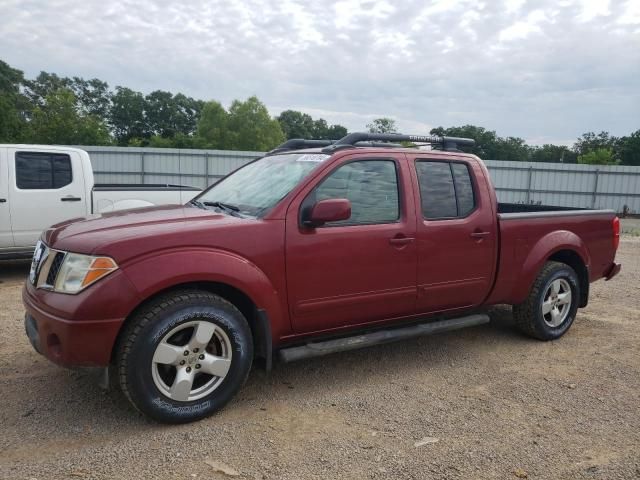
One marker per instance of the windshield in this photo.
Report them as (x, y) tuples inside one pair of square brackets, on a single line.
[(257, 187)]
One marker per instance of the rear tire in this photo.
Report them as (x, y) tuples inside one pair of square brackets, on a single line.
[(184, 356), (551, 306)]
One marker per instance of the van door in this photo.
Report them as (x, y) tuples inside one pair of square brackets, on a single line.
[(6, 236), (46, 187)]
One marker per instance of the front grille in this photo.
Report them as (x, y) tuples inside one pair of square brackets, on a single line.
[(55, 268)]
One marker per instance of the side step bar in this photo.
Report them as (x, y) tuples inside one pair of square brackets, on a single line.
[(318, 349)]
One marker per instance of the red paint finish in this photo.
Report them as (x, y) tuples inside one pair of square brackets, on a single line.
[(456, 257), (313, 280)]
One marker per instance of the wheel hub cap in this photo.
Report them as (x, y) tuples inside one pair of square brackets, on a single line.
[(191, 361), (556, 302)]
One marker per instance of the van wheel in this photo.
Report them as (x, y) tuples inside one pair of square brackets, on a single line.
[(552, 304), (184, 356)]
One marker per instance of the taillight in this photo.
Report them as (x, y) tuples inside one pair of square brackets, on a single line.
[(616, 232)]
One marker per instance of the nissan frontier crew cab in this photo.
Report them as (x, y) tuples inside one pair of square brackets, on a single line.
[(315, 248)]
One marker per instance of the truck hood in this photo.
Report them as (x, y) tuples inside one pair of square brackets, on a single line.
[(123, 233)]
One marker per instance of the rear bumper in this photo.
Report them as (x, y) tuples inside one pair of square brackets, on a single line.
[(612, 271), (69, 343)]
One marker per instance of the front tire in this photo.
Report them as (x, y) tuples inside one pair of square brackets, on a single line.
[(184, 356), (552, 304)]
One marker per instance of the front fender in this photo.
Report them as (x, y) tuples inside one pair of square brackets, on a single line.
[(159, 271), (534, 258)]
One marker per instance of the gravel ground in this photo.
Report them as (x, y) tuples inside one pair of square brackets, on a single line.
[(479, 403)]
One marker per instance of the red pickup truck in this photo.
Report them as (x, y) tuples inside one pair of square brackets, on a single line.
[(315, 248)]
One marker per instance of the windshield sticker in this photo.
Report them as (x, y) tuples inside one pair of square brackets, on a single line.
[(312, 157)]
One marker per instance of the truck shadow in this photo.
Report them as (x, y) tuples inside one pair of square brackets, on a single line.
[(14, 270), (80, 406)]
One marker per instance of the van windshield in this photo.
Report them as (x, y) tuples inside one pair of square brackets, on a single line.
[(257, 187)]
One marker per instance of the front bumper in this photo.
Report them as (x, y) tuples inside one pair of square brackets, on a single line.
[(612, 271), (70, 344), (77, 330)]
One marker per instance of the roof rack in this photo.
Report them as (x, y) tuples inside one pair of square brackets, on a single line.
[(449, 144), (298, 143), (361, 139)]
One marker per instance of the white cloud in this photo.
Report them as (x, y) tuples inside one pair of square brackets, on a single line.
[(544, 69)]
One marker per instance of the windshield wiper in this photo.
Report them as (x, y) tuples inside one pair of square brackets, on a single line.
[(197, 203), (227, 207)]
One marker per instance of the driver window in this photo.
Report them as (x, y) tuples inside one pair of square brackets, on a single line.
[(370, 185)]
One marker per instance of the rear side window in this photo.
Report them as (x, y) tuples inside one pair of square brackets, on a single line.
[(42, 171), (446, 190), (370, 185)]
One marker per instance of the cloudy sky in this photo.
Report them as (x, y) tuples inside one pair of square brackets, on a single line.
[(545, 70)]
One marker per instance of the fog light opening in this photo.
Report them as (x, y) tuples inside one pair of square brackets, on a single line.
[(53, 345)]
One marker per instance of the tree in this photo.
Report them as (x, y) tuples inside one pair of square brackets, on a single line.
[(58, 122), (553, 154), (629, 149), (511, 148), (336, 132), (212, 126), (14, 106), (382, 125), (93, 96), (127, 116), (486, 140), (43, 85), (167, 115), (251, 128), (600, 156), (296, 124), (591, 141)]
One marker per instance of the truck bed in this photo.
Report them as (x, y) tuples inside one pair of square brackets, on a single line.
[(533, 208), (529, 232)]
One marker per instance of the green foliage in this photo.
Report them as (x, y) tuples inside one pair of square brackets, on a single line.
[(296, 124), (600, 156), (553, 154), (168, 115), (486, 146), (13, 105), (336, 132), (251, 128), (212, 126), (382, 125), (127, 117), (62, 110), (58, 121), (629, 149), (591, 141)]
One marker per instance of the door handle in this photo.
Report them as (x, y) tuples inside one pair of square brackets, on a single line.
[(3, 200), (401, 240), (479, 235), (69, 198)]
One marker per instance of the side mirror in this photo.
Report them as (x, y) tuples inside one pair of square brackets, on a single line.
[(331, 210)]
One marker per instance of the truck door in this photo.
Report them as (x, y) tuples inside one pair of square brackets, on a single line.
[(358, 270), (457, 237), (6, 236), (46, 187)]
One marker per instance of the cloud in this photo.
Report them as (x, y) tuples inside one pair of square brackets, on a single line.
[(540, 70)]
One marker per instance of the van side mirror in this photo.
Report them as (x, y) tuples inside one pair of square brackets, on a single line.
[(330, 210)]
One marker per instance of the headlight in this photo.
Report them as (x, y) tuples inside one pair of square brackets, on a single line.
[(79, 271)]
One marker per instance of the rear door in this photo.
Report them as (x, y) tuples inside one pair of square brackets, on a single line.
[(457, 237), (46, 187), (359, 270), (6, 236)]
